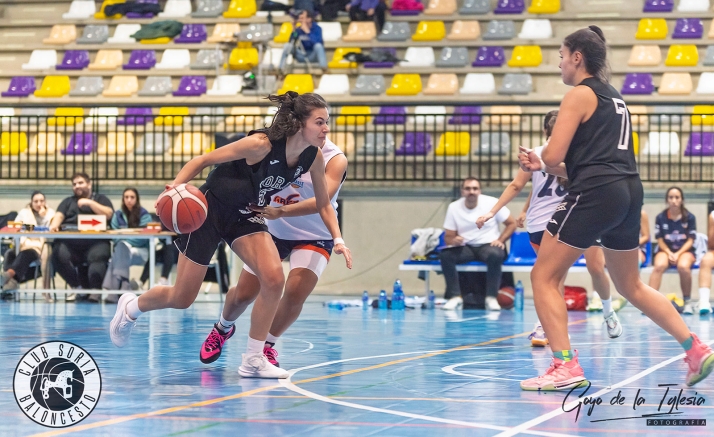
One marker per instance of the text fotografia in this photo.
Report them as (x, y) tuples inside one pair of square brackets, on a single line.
[(670, 402)]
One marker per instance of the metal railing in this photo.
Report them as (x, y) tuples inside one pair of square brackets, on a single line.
[(436, 146)]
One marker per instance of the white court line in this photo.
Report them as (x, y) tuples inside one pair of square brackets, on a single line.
[(538, 420), (287, 383), (309, 345)]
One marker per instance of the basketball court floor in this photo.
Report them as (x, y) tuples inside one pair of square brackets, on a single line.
[(358, 372)]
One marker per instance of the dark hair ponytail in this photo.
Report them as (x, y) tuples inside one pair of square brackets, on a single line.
[(293, 111), (683, 210), (549, 122), (591, 43)]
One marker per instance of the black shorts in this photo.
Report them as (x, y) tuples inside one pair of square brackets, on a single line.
[(610, 213), (536, 237), (285, 247), (223, 223)]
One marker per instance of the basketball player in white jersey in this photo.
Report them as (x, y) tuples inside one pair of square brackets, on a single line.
[(299, 233), (547, 193)]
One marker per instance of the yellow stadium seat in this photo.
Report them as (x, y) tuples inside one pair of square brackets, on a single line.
[(61, 34), (66, 117), (247, 116), (429, 31), (338, 60), (705, 115), (636, 143), (122, 86), (107, 60), (682, 56), (544, 7), (116, 143), (344, 140), (676, 84), (283, 36), (47, 143), (645, 56), (160, 40), (243, 58), (223, 32), (300, 83), (53, 86), (191, 143), (441, 7), (240, 9), (453, 144), (100, 15), (354, 115), (405, 85), (361, 31), (13, 143), (526, 56), (464, 31), (652, 28), (442, 84), (171, 115)]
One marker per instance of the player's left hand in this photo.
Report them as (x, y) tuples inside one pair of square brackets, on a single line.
[(341, 249), (497, 243), (267, 212)]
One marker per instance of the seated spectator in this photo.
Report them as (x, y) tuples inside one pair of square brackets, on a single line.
[(167, 256), (129, 252), (644, 236), (368, 10), (330, 9), (82, 263), (675, 232), (705, 270), (16, 267), (311, 6), (306, 43), (469, 243)]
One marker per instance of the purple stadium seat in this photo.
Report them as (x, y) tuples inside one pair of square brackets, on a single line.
[(489, 57), (74, 60), (391, 115), (135, 116), (139, 15), (20, 86), (389, 50), (688, 28), (191, 86), (80, 144), (509, 7), (192, 33), (658, 6), (638, 83), (700, 144), (414, 143), (466, 115), (141, 60)]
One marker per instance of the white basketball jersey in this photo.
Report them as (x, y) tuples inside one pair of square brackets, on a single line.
[(547, 194), (307, 227)]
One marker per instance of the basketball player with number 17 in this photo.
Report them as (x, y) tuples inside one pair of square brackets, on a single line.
[(247, 173)]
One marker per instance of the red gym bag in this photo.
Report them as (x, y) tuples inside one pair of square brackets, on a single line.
[(576, 298)]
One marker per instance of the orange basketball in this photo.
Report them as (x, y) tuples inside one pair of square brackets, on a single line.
[(182, 209), (505, 297)]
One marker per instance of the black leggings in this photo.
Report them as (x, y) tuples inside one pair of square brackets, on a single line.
[(69, 259), (20, 263), (491, 255), (167, 256)]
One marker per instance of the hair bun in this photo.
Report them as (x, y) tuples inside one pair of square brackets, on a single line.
[(597, 31)]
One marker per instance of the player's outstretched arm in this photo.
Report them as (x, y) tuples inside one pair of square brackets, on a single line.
[(511, 191)]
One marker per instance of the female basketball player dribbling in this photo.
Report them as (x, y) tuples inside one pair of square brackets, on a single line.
[(592, 137), (247, 173)]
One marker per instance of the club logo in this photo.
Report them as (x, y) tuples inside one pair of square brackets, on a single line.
[(57, 384)]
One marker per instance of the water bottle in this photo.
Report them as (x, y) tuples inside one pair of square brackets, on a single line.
[(365, 300), (397, 295), (382, 300), (335, 305), (519, 296), (430, 300)]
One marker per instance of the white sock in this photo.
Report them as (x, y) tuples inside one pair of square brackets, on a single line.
[(254, 346), (225, 325), (606, 306), (704, 294), (132, 309), (271, 338)]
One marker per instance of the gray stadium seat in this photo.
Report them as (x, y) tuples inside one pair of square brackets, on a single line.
[(369, 85), (395, 31), (709, 56), (208, 115), (94, 34), (29, 111), (494, 143), (206, 59), (156, 86), (516, 83), (473, 7), (500, 29), (257, 32), (88, 86), (666, 117), (453, 57), (153, 143), (208, 8), (377, 143)]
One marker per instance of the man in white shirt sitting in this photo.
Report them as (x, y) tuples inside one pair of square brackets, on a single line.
[(467, 243)]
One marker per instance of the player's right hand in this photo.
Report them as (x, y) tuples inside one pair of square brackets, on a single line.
[(483, 219), (528, 160), (344, 250)]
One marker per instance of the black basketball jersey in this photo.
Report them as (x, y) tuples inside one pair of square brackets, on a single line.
[(237, 184), (602, 149)]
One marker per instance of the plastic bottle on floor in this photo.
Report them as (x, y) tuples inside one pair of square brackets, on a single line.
[(382, 300), (519, 296), (365, 300)]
